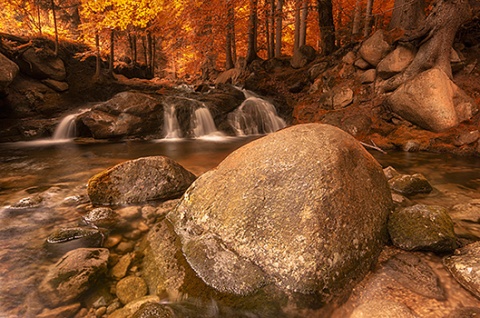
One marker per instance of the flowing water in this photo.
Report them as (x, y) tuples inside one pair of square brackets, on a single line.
[(38, 180)]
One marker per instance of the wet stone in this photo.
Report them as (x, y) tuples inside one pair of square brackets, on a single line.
[(465, 267), (153, 310), (414, 274), (422, 227), (382, 309), (66, 239), (102, 217), (410, 184), (131, 288), (64, 311), (120, 269)]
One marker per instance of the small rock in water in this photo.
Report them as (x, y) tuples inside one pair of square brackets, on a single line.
[(422, 227), (66, 239), (120, 269), (410, 184), (102, 217), (131, 288), (415, 274), (465, 267), (153, 310)]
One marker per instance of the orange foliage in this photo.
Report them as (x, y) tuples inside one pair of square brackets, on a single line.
[(189, 33)]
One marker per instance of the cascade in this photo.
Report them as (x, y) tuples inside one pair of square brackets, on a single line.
[(203, 124), (255, 116), (66, 129), (171, 127)]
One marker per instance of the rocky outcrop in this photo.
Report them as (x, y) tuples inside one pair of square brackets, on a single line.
[(42, 64), (140, 180), (432, 101), (280, 211), (395, 62), (422, 227), (8, 71), (126, 114), (72, 275)]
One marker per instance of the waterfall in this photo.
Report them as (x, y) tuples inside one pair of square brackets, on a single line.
[(66, 129), (255, 116), (171, 127), (203, 124)]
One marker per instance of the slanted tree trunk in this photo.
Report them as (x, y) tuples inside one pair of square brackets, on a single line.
[(54, 13), (368, 18), (278, 28), (252, 33), (327, 27), (435, 39), (407, 14)]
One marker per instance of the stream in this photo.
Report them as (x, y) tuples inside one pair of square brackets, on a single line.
[(59, 172)]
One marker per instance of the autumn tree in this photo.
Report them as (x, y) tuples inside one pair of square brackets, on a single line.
[(252, 32), (407, 14), (326, 25)]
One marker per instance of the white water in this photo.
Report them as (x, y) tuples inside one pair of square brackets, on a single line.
[(255, 116), (66, 129), (203, 124), (171, 127)]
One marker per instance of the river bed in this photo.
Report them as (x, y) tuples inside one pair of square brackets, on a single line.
[(58, 172)]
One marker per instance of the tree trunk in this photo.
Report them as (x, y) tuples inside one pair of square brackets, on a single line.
[(112, 52), (252, 33), (229, 62), (278, 28), (407, 14), (368, 18), (357, 18), (98, 63), (327, 27), (150, 50), (436, 38), (303, 24), (271, 37), (52, 2), (296, 37)]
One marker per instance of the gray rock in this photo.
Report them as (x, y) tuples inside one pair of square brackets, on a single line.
[(374, 48), (286, 207), (410, 184), (342, 97), (432, 101), (465, 267), (131, 288), (42, 64), (415, 274), (8, 72), (395, 62), (140, 180), (126, 114), (382, 309), (72, 275), (422, 227)]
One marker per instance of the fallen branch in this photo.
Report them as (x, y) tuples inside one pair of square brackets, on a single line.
[(375, 147)]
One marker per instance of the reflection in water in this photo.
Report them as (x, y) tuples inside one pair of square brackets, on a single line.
[(49, 174)]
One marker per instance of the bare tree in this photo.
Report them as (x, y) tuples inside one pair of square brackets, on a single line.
[(278, 28), (368, 18), (229, 63), (327, 27), (252, 32), (357, 17), (303, 23)]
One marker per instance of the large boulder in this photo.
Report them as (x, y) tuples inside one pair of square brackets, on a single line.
[(374, 49), (288, 210), (303, 56), (8, 71), (42, 64), (126, 114), (465, 267), (72, 275), (140, 180), (432, 101)]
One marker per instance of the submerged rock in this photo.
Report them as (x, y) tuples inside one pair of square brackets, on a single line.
[(130, 288), (153, 310), (66, 239), (422, 227), (382, 309), (465, 267), (287, 213), (140, 180), (102, 217), (410, 184), (72, 275)]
